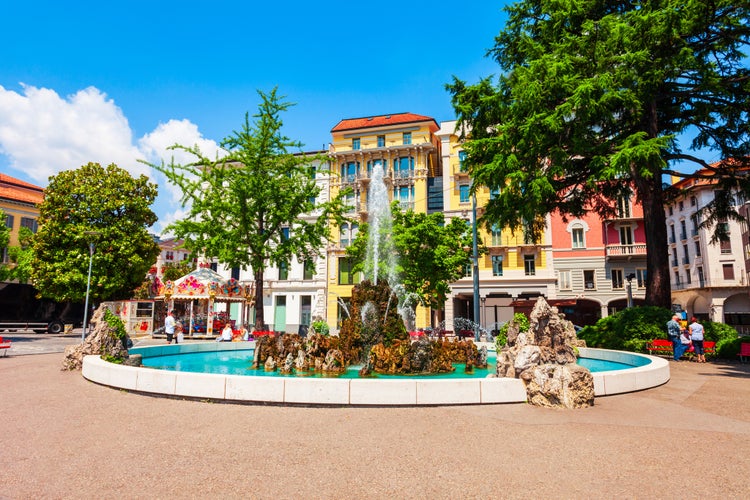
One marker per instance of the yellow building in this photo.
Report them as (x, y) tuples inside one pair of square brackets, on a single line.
[(405, 145), (18, 201), (514, 266)]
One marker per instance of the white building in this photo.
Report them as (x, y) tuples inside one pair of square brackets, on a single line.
[(709, 280)]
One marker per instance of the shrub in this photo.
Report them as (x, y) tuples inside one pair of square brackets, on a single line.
[(728, 348), (629, 330), (502, 335), (320, 327)]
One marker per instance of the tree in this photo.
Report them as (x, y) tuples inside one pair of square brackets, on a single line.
[(251, 209), (176, 270), (430, 254), (20, 258), (4, 240), (114, 205), (597, 96)]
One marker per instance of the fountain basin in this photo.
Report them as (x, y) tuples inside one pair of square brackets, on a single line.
[(338, 391)]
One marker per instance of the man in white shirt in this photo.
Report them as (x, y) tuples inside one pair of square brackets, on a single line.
[(169, 323)]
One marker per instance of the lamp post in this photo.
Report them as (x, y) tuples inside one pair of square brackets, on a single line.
[(475, 273), (630, 277), (91, 235)]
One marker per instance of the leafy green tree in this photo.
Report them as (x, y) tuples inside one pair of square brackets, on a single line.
[(20, 258), (430, 253), (175, 270), (250, 209), (114, 205), (4, 231), (595, 98)]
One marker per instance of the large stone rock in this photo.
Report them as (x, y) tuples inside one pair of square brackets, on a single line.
[(101, 340), (544, 358)]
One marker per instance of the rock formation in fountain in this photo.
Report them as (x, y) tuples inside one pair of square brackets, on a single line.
[(102, 340), (544, 358)]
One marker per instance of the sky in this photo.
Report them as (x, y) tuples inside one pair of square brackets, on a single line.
[(117, 82)]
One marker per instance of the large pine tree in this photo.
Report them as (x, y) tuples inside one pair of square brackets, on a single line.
[(595, 99)]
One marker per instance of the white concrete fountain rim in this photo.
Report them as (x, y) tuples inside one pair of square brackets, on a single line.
[(334, 391)]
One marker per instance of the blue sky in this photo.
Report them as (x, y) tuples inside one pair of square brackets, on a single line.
[(116, 81)]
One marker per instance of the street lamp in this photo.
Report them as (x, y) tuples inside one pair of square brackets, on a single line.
[(91, 235), (630, 277), (475, 251)]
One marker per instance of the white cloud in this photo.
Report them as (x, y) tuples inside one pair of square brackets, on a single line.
[(42, 133)]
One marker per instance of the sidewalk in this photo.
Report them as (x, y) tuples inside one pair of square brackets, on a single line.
[(64, 437)]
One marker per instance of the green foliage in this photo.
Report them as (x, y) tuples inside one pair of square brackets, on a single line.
[(320, 327), (4, 231), (604, 92), (718, 332), (728, 348), (247, 208), (116, 325), (629, 330), (173, 271), (430, 253), (520, 320), (20, 257), (110, 202)]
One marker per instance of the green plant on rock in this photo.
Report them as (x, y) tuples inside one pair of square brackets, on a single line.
[(520, 319), (320, 327)]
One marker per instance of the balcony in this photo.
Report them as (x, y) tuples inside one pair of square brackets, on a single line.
[(625, 251), (706, 283), (460, 172)]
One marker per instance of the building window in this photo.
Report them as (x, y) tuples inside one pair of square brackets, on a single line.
[(726, 246), (683, 230), (693, 201), (528, 234), (284, 271), (494, 193), (688, 279), (9, 221), (677, 278), (626, 235), (169, 255), (349, 171), (4, 255), (675, 262), (686, 258), (728, 271), (381, 141), (617, 279), (462, 161), (309, 270), (348, 233), (577, 236), (497, 265), (671, 210), (346, 275), (682, 205), (623, 207), (640, 276), (529, 265), (563, 280), (29, 223), (355, 143), (463, 193), (405, 196), (403, 168), (235, 273), (589, 282), (497, 236), (407, 137), (672, 237), (701, 278)]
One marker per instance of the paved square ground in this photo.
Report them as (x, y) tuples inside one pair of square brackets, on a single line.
[(65, 437)]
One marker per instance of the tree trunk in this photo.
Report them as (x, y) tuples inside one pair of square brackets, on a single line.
[(658, 292), (259, 314)]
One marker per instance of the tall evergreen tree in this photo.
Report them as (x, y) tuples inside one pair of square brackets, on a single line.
[(595, 99)]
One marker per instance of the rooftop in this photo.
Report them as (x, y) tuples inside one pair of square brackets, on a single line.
[(17, 190), (380, 121)]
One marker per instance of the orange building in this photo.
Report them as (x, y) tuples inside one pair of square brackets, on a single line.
[(19, 201)]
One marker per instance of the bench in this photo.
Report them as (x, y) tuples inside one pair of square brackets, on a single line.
[(744, 352), (663, 346), (660, 346), (4, 345)]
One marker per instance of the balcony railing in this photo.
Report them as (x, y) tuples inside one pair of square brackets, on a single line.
[(705, 283), (626, 250)]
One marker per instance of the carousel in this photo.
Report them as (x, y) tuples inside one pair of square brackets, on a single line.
[(194, 296)]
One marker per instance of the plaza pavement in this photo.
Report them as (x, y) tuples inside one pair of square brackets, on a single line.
[(64, 437)]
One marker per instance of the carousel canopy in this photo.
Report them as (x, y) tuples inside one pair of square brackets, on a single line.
[(205, 283)]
